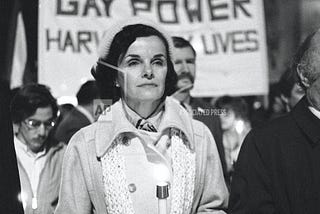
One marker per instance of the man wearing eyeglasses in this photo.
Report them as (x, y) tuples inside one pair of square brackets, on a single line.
[(34, 111)]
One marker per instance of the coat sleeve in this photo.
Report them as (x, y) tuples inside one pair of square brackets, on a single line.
[(250, 190), (74, 195), (214, 197), (65, 131)]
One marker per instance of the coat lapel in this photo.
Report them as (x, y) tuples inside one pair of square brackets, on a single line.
[(113, 123)]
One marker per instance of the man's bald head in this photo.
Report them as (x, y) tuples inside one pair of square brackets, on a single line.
[(307, 67), (307, 60)]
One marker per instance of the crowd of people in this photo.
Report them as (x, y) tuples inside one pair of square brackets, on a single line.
[(69, 159)]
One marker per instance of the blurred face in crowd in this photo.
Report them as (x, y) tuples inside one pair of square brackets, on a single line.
[(185, 66), (145, 69), (296, 94), (278, 105), (228, 120), (34, 130)]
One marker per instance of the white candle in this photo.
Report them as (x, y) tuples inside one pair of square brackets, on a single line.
[(162, 195)]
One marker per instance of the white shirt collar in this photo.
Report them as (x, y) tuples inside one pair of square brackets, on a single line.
[(86, 113), (314, 111), (133, 117), (22, 147), (33, 164)]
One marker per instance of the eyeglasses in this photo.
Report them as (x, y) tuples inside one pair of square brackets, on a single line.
[(35, 124)]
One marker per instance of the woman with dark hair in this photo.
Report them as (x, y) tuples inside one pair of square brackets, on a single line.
[(145, 138)]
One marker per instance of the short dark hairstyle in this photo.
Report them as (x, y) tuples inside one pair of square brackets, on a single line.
[(28, 99), (88, 92), (106, 76), (179, 42), (237, 104)]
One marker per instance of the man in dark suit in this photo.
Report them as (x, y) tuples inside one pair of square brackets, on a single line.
[(278, 169), (80, 116), (185, 66)]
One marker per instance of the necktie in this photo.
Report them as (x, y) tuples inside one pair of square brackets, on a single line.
[(145, 125)]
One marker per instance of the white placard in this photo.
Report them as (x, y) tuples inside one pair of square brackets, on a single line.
[(228, 35)]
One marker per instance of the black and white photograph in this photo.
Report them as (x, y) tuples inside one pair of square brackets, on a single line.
[(160, 107)]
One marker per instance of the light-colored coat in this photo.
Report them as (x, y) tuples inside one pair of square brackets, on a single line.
[(82, 188), (49, 182)]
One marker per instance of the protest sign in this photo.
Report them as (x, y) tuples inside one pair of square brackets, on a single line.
[(228, 35)]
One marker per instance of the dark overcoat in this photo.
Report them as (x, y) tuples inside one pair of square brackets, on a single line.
[(70, 124), (278, 170)]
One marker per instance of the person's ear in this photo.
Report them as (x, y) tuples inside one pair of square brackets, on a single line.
[(303, 79), (117, 80), (116, 83)]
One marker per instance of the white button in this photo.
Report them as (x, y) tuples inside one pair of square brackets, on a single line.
[(132, 188)]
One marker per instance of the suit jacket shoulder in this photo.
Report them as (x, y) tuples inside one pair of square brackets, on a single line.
[(276, 171), (69, 125)]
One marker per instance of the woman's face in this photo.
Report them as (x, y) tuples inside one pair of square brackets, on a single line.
[(144, 67)]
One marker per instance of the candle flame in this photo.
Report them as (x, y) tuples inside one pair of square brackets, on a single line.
[(162, 173), (239, 126), (22, 198)]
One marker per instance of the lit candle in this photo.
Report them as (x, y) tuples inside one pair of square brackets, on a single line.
[(162, 176), (239, 126), (162, 195)]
